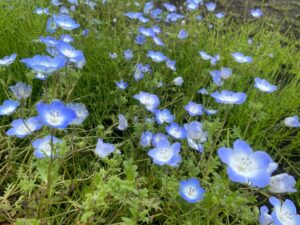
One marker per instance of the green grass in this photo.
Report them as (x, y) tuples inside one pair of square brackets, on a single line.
[(129, 188)]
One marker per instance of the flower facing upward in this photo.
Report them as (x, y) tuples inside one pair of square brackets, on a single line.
[(150, 101), (176, 131), (194, 109), (157, 56), (292, 121), (229, 97), (21, 90), (163, 116), (256, 12), (191, 190), (42, 147), (8, 107), (56, 114), (22, 127), (166, 154), (246, 166), (284, 213), (122, 85)]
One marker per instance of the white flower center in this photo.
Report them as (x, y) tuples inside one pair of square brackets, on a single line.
[(165, 154)]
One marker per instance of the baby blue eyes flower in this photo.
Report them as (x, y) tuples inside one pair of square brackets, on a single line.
[(183, 34), (229, 97), (55, 2), (163, 116), (218, 75), (171, 64), (66, 38), (193, 4), (246, 166), (21, 90), (113, 55), (173, 17), (51, 26), (282, 183), (265, 218), (81, 112), (157, 138), (8, 107), (65, 22), (41, 11), (166, 154), (194, 109), (195, 135), (22, 127), (178, 81), (241, 58), (158, 41), (122, 85), (203, 91), (264, 85), (156, 29), (49, 41), (284, 213), (150, 101), (191, 190), (146, 139), (213, 59), (292, 121), (133, 15), (45, 64), (147, 32), (42, 147), (122, 122), (210, 6), (176, 131), (128, 54), (157, 56), (170, 7), (148, 7), (7, 60), (256, 12), (155, 13), (219, 15), (56, 114), (140, 39), (104, 149)]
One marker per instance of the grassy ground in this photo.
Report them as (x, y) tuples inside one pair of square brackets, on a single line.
[(129, 188)]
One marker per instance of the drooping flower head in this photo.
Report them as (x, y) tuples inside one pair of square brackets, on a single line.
[(22, 127), (166, 154), (191, 190), (229, 97), (123, 124), (8, 107), (104, 149), (42, 147), (81, 112), (246, 166), (56, 114), (282, 183), (21, 90), (146, 139)]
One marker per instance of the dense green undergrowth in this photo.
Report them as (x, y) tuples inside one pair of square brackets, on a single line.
[(128, 188)]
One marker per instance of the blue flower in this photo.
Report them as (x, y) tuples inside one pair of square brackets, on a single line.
[(170, 7), (292, 121), (157, 56), (216, 76), (194, 109), (148, 7), (241, 58), (21, 90), (210, 111), (65, 22), (265, 218), (264, 85), (156, 29), (22, 127), (138, 74), (176, 131), (178, 81), (219, 15), (203, 91), (191, 190), (171, 64), (158, 137), (147, 32), (55, 2), (246, 166), (49, 41), (213, 59), (140, 39), (66, 38), (122, 85), (166, 154), (195, 135), (193, 4), (7, 60), (63, 10), (122, 122), (8, 107), (133, 15), (150, 101), (143, 19), (282, 183), (104, 149), (146, 139), (183, 34), (155, 13), (128, 54), (56, 114), (81, 112), (229, 97), (256, 12), (45, 64), (163, 116), (210, 6), (113, 55), (41, 11), (173, 17), (42, 147), (285, 213), (225, 72), (51, 26), (158, 41)]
